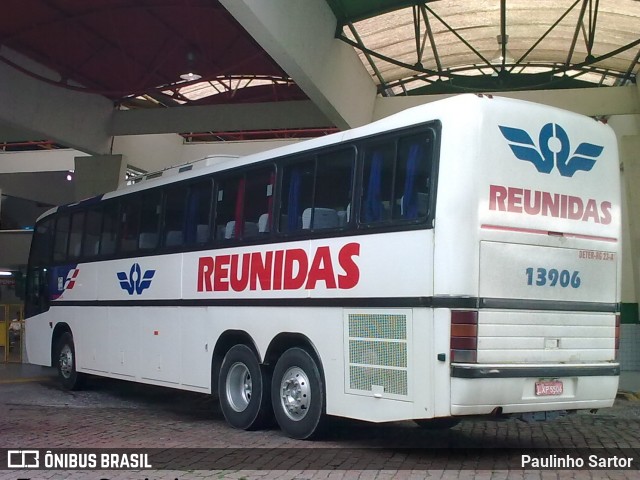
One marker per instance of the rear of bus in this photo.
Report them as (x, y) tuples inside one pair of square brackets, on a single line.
[(527, 259)]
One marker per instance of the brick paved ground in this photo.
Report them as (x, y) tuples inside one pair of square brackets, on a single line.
[(112, 414)]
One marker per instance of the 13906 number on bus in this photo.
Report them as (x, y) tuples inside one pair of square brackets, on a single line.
[(553, 277)]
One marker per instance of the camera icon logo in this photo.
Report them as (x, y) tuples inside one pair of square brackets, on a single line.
[(23, 459)]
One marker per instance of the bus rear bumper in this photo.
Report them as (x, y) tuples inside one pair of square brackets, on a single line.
[(486, 389)]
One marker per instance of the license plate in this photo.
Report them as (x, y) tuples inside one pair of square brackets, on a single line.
[(544, 389)]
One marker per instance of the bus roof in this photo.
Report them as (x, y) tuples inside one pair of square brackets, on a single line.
[(437, 110)]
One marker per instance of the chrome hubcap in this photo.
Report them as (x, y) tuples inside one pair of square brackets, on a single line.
[(239, 387), (66, 361), (295, 395)]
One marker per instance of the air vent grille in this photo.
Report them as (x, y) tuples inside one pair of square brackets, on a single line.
[(377, 354)]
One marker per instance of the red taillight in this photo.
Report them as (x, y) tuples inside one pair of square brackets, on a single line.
[(464, 336), (617, 337)]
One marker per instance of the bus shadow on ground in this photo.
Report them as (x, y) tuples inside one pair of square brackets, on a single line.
[(471, 433), (137, 395)]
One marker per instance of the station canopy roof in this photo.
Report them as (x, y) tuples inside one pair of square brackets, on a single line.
[(139, 53), (445, 46)]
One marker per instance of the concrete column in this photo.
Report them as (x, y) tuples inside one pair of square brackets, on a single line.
[(98, 174), (630, 328), (630, 158), (300, 37)]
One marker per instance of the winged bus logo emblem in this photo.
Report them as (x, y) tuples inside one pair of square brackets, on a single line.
[(135, 282), (553, 149)]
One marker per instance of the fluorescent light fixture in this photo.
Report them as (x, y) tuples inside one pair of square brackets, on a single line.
[(4, 273), (190, 77)]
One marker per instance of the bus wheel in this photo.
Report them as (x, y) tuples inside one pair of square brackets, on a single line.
[(66, 363), (443, 423), (297, 394), (243, 388)]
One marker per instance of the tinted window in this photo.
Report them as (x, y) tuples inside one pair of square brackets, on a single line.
[(258, 203), (395, 179), (92, 226), (109, 229), (198, 214), (150, 209), (129, 224), (297, 194), (61, 241), (42, 243), (316, 192), (75, 237), (411, 189), (332, 191), (174, 215), (228, 206), (244, 205)]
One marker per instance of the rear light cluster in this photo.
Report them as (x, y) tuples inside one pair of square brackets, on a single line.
[(464, 336), (617, 337)]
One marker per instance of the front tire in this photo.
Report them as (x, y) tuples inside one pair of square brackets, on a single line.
[(243, 388), (298, 394), (66, 363)]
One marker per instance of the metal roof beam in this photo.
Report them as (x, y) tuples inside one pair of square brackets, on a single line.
[(432, 41), (577, 30), (300, 37), (461, 38), (503, 33), (374, 67), (629, 71), (544, 35)]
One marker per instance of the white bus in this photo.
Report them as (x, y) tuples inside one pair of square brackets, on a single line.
[(458, 258)]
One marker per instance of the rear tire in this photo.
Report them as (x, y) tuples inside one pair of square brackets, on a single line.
[(243, 389), (298, 395), (66, 363)]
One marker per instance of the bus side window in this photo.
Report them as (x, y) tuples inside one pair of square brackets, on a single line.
[(109, 229), (75, 235), (174, 216), (129, 224), (332, 198), (61, 239), (198, 213), (297, 194), (150, 220), (377, 181), (258, 202), (413, 167), (242, 201), (37, 298), (228, 206), (91, 243)]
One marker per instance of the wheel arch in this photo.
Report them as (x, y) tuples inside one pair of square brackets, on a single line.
[(286, 340), (228, 339), (60, 329)]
